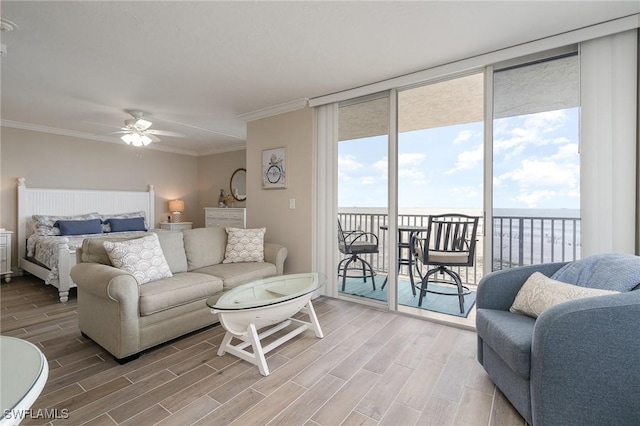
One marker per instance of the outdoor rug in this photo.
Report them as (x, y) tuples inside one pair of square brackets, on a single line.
[(432, 302)]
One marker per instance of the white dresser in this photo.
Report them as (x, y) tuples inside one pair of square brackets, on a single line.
[(5, 255), (223, 217)]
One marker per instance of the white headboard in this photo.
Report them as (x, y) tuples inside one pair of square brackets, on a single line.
[(69, 202)]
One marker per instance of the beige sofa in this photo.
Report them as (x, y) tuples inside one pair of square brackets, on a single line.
[(126, 318)]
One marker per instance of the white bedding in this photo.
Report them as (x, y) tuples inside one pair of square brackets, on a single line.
[(45, 249)]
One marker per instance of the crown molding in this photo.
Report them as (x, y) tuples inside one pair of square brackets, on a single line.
[(274, 110), (89, 136), (222, 150)]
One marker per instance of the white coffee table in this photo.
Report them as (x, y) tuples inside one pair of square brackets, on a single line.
[(267, 302), (24, 373)]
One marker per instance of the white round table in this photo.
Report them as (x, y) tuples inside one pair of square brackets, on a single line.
[(24, 371)]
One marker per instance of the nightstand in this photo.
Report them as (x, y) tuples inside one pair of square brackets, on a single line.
[(5, 255), (175, 226)]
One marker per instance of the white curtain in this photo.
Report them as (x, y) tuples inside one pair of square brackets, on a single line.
[(608, 143), (326, 242)]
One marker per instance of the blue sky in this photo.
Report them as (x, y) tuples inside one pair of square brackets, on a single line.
[(536, 165)]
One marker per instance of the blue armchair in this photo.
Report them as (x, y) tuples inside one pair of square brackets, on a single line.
[(578, 363)]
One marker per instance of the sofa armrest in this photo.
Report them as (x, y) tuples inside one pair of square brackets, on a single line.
[(276, 254), (108, 307), (105, 281), (584, 362), (498, 290)]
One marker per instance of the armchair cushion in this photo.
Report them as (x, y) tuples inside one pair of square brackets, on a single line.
[(539, 293), (614, 271), (512, 334)]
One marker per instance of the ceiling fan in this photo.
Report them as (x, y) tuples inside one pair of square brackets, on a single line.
[(136, 130)]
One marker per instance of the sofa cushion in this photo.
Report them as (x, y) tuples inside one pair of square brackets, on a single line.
[(539, 293), (509, 335), (141, 257), (244, 245), (172, 244), (235, 274), (93, 250), (178, 290), (204, 246), (616, 271)]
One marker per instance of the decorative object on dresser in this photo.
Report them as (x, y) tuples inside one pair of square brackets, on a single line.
[(223, 217), (45, 253), (176, 207), (175, 226), (274, 174), (5, 255)]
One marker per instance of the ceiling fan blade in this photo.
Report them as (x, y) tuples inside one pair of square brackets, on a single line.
[(153, 137), (165, 133)]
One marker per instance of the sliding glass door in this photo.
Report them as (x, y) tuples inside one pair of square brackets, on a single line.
[(440, 170), (363, 188), (536, 164)]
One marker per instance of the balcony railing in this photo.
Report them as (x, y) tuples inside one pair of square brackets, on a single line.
[(517, 240)]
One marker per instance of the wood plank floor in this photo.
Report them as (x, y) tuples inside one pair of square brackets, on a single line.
[(371, 368)]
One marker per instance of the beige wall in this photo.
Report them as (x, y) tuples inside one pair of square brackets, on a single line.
[(214, 173), (53, 161), (270, 208)]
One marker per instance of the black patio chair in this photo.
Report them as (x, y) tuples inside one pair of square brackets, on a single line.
[(353, 244), (450, 242)]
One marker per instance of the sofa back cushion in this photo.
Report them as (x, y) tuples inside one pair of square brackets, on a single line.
[(172, 244), (93, 250), (204, 246)]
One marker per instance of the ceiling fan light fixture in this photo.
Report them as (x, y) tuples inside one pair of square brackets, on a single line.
[(136, 139), (142, 124), (127, 138)]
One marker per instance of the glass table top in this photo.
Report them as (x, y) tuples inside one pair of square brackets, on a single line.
[(267, 291), (23, 366)]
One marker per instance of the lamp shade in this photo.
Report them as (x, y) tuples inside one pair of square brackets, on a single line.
[(176, 206)]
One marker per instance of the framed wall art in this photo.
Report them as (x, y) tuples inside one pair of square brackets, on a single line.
[(274, 165)]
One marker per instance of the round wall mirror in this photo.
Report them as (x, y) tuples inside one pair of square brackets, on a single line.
[(238, 185)]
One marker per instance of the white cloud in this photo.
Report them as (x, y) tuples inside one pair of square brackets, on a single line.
[(466, 191), (463, 136), (531, 199), (468, 159), (536, 173), (411, 159), (547, 121), (568, 151), (514, 140), (348, 163), (368, 180)]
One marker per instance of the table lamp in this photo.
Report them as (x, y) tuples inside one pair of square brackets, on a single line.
[(176, 207)]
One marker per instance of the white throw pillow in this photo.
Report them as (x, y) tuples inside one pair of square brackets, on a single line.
[(244, 245), (142, 257), (540, 292)]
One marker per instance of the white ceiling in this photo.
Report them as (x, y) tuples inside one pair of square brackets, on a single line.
[(73, 68)]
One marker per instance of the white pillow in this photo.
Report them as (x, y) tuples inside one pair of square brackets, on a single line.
[(142, 257), (540, 292), (244, 245)]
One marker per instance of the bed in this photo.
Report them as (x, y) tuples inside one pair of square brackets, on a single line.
[(58, 253)]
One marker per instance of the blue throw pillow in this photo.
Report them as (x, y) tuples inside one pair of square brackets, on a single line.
[(129, 224), (79, 227)]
